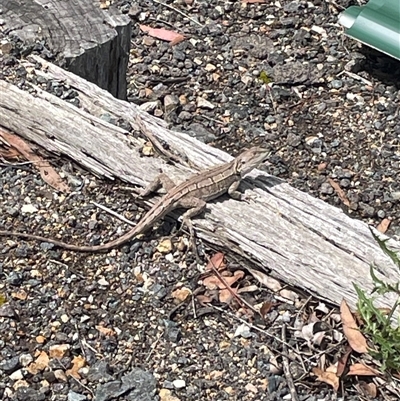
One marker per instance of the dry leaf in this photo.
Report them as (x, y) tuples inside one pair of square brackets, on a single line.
[(269, 282), (10, 154), (339, 192), (342, 362), (58, 351), (355, 338), (47, 172), (383, 226), (41, 363), (327, 377), (225, 296), (163, 34), (165, 246), (216, 262), (265, 308), (77, 363), (40, 339), (368, 389), (20, 294), (359, 369), (213, 282), (204, 299), (247, 289), (181, 294), (253, 1), (105, 331)]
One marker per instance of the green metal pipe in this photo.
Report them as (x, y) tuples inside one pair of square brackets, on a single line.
[(377, 24)]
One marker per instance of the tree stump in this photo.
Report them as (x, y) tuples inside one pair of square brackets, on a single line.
[(89, 41)]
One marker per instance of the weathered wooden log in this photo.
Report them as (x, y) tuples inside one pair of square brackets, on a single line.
[(89, 41), (291, 235)]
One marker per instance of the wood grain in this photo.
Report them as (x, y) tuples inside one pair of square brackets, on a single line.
[(298, 239)]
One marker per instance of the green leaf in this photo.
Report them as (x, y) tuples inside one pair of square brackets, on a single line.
[(264, 78)]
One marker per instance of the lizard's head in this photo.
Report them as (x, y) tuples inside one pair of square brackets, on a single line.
[(250, 159)]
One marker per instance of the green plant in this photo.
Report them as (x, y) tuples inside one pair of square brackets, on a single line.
[(378, 325)]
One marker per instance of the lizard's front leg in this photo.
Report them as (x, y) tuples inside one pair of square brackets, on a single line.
[(233, 192), (161, 181)]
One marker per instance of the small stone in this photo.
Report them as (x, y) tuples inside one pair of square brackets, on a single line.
[(185, 116), (381, 214), (171, 102), (72, 396), (12, 211), (210, 67), (134, 11), (7, 310), (326, 189), (243, 331), (29, 394), (178, 384), (103, 282), (29, 208), (25, 359), (14, 278), (17, 375), (205, 104), (64, 318), (345, 183)]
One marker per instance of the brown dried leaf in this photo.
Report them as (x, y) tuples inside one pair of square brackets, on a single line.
[(58, 351), (359, 369), (327, 377), (20, 294), (163, 34), (216, 262), (204, 299), (269, 282), (368, 389), (213, 282), (47, 172), (353, 334), (77, 363), (341, 194), (10, 154), (40, 339), (41, 363), (266, 307), (165, 246), (181, 294), (383, 226), (225, 296), (342, 362), (105, 331)]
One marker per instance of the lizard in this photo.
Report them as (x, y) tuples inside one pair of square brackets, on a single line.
[(191, 194)]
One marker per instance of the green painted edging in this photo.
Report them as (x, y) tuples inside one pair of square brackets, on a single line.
[(377, 24)]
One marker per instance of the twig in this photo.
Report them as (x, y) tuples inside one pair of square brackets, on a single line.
[(356, 76), (179, 12), (286, 368), (261, 331), (152, 348), (115, 214), (156, 143)]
